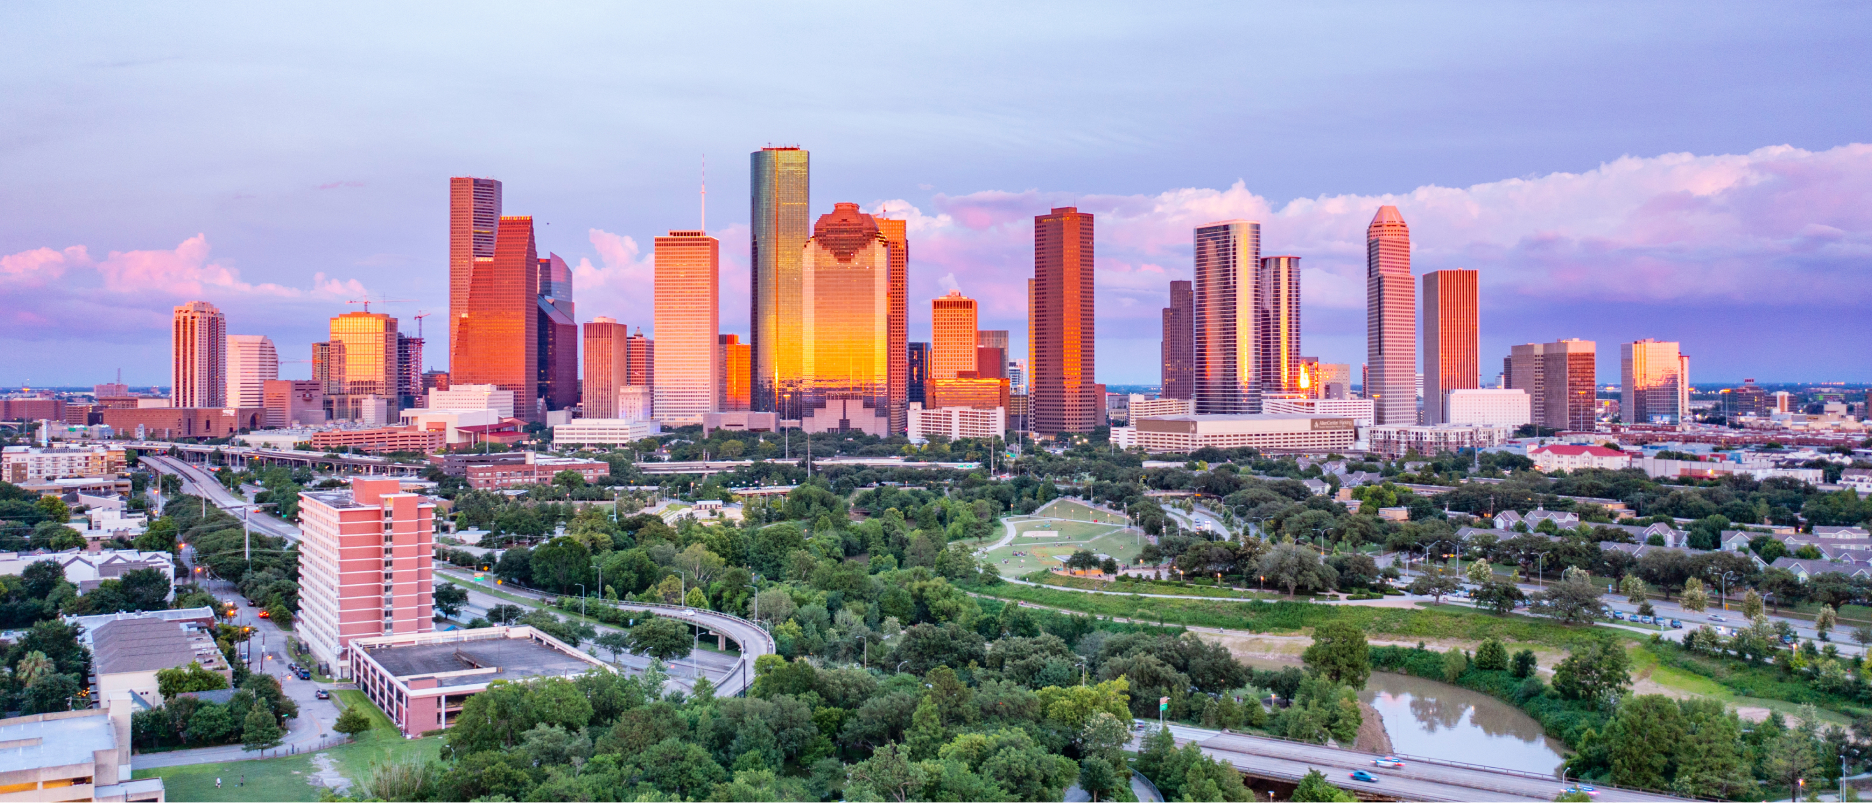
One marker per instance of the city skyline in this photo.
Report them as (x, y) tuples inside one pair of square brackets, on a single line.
[(1665, 215)]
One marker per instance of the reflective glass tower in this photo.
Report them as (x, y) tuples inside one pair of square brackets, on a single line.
[(474, 217), (1452, 349), (897, 236), (845, 328), (497, 332), (1179, 343), (607, 361), (198, 356), (557, 335), (1065, 396), (1278, 363), (780, 224), (1390, 319), (1654, 383), (1227, 256)]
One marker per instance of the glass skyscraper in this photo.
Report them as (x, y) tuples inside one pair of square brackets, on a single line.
[(1452, 348), (1278, 364), (780, 223), (1228, 255), (1390, 320)]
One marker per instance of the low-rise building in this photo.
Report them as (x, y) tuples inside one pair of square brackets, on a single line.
[(86, 569), (1573, 457), (127, 653), (1139, 405), (473, 397), (184, 422), (532, 469), (293, 402), (1359, 410), (22, 464), (421, 680), (1509, 407), (72, 755), (458, 426), (955, 422), (1805, 569), (1267, 432), (605, 431), (1398, 440), (379, 440)]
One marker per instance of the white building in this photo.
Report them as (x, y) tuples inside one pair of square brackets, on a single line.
[(252, 362), (451, 422), (1142, 406), (1360, 410), (20, 464), (604, 430), (955, 422), (473, 397), (636, 402), (1572, 457), (1496, 406), (87, 569), (1393, 440), (1264, 431)]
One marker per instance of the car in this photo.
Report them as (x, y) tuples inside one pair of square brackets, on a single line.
[(1717, 618), (1619, 615), (1676, 624), (305, 674), (1361, 775), (264, 614), (323, 694), (1591, 792), (1389, 762)]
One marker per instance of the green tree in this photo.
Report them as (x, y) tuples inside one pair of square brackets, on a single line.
[(1294, 567), (449, 599), (1491, 656), (1499, 596), (171, 682), (888, 774), (1710, 762), (1574, 600), (352, 722), (210, 724), (1790, 757), (1825, 620), (35, 665), (1633, 588), (1694, 597), (926, 734), (1525, 664), (259, 731), (1595, 674), (1640, 739), (1435, 581), (1097, 777), (1478, 572), (1339, 653), (1313, 787), (1752, 604), (662, 638)]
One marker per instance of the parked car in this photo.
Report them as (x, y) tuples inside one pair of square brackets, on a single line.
[(1676, 624), (305, 674), (323, 694), (1619, 615), (1361, 775)]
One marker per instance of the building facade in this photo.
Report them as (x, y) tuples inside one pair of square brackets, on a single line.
[(497, 327), (1359, 410), (732, 356), (607, 360), (1569, 379), (370, 360), (1182, 434), (916, 363), (845, 327), (252, 362), (364, 567), (1279, 368), (293, 403), (556, 337), (474, 220), (198, 356), (1395, 440), (897, 313), (1228, 257), (688, 295), (1179, 343), (474, 397), (956, 422), (1390, 319), (1499, 406), (1654, 383), (780, 223), (952, 335), (409, 369), (1452, 348), (1065, 397), (604, 431)]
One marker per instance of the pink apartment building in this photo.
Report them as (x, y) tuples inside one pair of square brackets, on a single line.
[(364, 567)]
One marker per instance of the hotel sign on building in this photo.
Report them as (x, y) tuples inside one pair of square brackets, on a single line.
[(1267, 432)]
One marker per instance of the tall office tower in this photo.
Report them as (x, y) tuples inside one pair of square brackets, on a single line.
[(733, 357), (897, 346), (641, 370), (607, 361), (370, 362), (780, 222), (409, 371), (1452, 346), (557, 336), (1228, 254), (1569, 374), (474, 220), (1277, 325), (198, 356), (1523, 369), (845, 276), (251, 363), (328, 366), (1179, 343), (1390, 319), (1065, 396), (1030, 332), (497, 331), (1654, 383), (349, 535), (991, 354), (952, 335), (688, 295), (916, 361)]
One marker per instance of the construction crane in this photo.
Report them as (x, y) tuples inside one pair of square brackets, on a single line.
[(367, 302), (419, 316)]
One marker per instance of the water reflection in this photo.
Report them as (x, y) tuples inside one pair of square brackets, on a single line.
[(1438, 720)]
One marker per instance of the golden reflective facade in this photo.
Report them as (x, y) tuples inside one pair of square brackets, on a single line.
[(780, 223), (1065, 395), (1452, 346), (1277, 325), (607, 364), (497, 333), (845, 328), (897, 348), (474, 216), (733, 356), (370, 352), (953, 335), (968, 390)]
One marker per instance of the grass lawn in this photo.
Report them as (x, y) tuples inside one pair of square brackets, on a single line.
[(1044, 541), (1143, 587), (290, 778), (1066, 509), (1646, 663)]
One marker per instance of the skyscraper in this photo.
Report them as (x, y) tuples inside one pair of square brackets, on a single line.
[(1179, 343), (1390, 319), (1569, 375), (1228, 254), (641, 370), (1452, 348), (896, 348), (1523, 369), (328, 367), (733, 359), (1065, 396), (991, 353), (556, 335), (952, 335), (370, 360), (845, 280), (1277, 326), (252, 362), (917, 363), (198, 356), (688, 292), (780, 223), (607, 361), (474, 219), (497, 330), (1654, 383), (409, 370)]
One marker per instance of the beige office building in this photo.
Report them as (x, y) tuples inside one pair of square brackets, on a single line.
[(198, 356), (252, 362), (607, 364), (1265, 431)]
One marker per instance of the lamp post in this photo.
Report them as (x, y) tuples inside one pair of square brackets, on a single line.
[(581, 598), (1725, 589)]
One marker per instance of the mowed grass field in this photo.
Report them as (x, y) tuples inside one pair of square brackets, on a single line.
[(1041, 542), (1067, 509)]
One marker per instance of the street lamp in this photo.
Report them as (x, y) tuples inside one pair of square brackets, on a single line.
[(581, 598)]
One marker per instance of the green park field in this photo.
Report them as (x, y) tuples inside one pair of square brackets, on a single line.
[(1044, 543)]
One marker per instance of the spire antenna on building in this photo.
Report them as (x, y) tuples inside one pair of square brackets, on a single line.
[(705, 193)]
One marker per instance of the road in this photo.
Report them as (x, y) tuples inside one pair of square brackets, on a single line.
[(197, 481), (1419, 779), (730, 674)]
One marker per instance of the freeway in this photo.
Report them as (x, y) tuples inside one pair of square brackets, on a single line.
[(198, 481), (1418, 779)]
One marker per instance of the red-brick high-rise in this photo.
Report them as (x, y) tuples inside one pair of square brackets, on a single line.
[(1065, 395), (1179, 343), (497, 329)]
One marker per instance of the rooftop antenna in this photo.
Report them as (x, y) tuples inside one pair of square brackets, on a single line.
[(705, 193)]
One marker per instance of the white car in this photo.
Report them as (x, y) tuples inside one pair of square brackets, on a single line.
[(1389, 762)]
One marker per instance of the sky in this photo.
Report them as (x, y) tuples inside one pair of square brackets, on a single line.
[(1696, 172)]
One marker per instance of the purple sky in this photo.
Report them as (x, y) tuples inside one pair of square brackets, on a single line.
[(1685, 171)]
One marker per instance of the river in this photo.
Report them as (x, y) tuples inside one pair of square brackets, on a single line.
[(1438, 720)]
